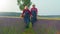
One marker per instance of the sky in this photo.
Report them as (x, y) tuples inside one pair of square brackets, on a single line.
[(45, 7)]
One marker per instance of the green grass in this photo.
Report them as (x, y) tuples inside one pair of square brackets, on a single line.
[(7, 30), (29, 30)]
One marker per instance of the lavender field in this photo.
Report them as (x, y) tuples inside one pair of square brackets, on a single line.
[(17, 26)]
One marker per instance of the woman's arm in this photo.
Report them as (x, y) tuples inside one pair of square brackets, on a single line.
[(23, 13)]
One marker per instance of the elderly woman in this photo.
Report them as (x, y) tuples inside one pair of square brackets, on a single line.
[(34, 14), (26, 16)]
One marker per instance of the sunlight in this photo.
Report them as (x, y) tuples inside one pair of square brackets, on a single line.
[(3, 4)]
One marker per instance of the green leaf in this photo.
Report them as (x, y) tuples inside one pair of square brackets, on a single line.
[(25, 3)]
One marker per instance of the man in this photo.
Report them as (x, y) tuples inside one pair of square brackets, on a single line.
[(34, 14)]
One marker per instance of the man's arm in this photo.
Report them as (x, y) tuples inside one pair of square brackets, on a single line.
[(36, 11)]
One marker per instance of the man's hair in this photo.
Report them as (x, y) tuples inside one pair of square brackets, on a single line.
[(33, 5)]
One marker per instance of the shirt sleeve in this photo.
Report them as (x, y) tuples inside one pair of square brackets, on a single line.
[(36, 11), (23, 13), (30, 12)]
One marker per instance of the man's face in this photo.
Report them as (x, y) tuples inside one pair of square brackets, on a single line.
[(33, 6)]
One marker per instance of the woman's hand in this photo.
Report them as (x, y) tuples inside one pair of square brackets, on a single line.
[(21, 16), (31, 16)]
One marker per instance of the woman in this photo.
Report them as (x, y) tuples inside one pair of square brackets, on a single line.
[(34, 14), (26, 16)]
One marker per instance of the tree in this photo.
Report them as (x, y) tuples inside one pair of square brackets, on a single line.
[(23, 3)]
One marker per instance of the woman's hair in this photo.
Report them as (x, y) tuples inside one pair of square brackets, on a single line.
[(25, 7)]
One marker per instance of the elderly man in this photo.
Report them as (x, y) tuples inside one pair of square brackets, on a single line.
[(34, 14)]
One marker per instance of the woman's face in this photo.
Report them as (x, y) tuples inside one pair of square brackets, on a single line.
[(26, 7)]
